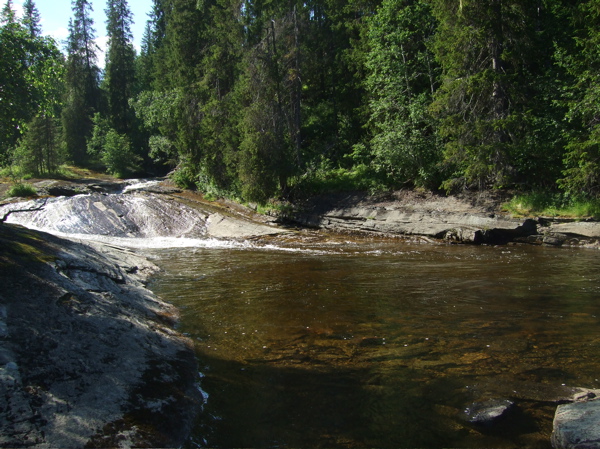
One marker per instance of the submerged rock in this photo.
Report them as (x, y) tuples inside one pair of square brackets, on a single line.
[(488, 412)]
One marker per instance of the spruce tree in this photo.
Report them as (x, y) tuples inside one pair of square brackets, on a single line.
[(31, 18), (82, 97), (581, 175), (120, 66), (485, 51)]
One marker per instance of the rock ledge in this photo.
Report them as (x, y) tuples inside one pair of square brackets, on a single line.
[(88, 356)]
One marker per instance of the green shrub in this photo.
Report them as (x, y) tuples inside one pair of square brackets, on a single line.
[(21, 190), (118, 156)]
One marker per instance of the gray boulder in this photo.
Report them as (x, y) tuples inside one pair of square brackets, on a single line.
[(577, 425)]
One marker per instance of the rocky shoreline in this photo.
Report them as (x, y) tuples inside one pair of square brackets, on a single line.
[(471, 219), (89, 357)]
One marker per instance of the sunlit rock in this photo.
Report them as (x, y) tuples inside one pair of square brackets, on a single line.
[(576, 425)]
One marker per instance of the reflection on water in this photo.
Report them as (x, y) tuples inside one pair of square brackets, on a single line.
[(383, 344)]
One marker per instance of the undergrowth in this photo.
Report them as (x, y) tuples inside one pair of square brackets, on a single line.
[(21, 189), (553, 205)]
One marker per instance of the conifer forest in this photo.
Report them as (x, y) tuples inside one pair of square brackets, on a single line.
[(264, 99)]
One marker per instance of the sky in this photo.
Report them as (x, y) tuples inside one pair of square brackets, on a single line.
[(55, 15)]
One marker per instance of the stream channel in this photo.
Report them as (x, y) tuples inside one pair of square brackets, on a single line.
[(316, 340), (372, 343)]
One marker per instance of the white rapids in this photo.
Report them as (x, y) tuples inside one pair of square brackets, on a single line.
[(136, 220)]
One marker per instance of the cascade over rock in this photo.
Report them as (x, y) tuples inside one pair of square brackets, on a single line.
[(134, 215)]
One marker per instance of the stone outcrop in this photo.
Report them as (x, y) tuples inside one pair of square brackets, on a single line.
[(88, 356), (427, 216), (575, 424)]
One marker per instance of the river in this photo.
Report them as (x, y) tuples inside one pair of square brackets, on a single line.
[(314, 340), (346, 342)]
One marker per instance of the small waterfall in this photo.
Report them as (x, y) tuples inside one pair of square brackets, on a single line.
[(118, 215), (135, 218)]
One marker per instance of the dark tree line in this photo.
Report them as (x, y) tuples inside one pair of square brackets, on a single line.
[(259, 99)]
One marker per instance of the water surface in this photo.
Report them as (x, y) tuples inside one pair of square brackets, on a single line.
[(368, 343)]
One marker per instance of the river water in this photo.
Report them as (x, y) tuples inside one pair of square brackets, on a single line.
[(346, 342)]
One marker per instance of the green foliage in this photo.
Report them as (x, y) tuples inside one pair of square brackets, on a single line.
[(552, 205), (261, 100), (119, 72), (97, 141), (82, 77), (114, 150), (118, 156), (402, 77), (40, 151), (184, 176), (491, 59), (30, 76), (582, 157), (156, 112), (324, 178), (20, 189)]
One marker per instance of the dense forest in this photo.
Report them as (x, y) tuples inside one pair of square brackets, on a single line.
[(260, 99)]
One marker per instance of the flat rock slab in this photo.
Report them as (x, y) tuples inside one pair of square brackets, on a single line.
[(577, 425), (588, 229), (474, 219), (135, 215)]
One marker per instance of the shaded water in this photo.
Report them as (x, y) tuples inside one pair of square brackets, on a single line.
[(383, 343)]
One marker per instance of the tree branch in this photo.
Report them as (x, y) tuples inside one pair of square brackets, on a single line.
[(32, 209)]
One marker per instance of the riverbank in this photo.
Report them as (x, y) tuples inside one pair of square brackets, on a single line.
[(88, 354), (470, 217), (477, 218)]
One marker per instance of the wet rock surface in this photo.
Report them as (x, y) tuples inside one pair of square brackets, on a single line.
[(488, 412), (135, 215), (88, 356)]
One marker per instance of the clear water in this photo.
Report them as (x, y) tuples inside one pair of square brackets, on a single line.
[(363, 343)]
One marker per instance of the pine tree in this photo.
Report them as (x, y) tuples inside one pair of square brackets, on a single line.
[(32, 18), (120, 66), (82, 98)]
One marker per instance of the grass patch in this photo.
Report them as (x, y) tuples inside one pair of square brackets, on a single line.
[(274, 208), (552, 205), (23, 190), (329, 180)]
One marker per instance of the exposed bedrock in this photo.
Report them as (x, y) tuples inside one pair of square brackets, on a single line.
[(444, 218), (135, 215), (88, 355)]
